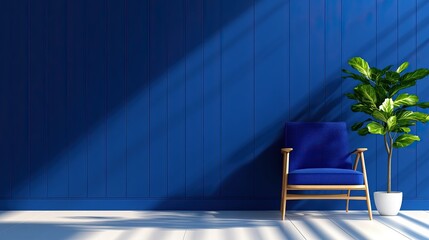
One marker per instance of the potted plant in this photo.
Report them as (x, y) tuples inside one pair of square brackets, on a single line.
[(391, 113)]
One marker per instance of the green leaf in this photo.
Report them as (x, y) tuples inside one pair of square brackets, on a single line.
[(366, 93), (376, 128), (405, 140), (361, 66), (376, 73), (421, 117), (384, 70), (363, 131), (415, 75), (381, 94), (404, 115), (379, 115), (415, 116), (381, 73), (405, 123), (358, 125), (402, 129), (405, 129), (351, 96), (355, 76), (423, 104), (359, 107), (392, 77), (406, 99), (387, 106), (402, 85), (402, 67), (391, 122)]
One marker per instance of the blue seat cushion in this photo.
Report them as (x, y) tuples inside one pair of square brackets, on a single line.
[(325, 176)]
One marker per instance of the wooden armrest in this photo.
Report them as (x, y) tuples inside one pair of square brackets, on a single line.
[(287, 150), (359, 150)]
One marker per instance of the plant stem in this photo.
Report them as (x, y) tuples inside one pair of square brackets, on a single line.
[(389, 172), (386, 144), (389, 159), (389, 165)]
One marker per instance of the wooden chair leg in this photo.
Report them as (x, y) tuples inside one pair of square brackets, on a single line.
[(368, 202), (347, 201), (284, 185), (365, 181), (284, 199)]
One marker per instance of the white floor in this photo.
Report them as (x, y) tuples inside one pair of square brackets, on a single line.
[(201, 225)]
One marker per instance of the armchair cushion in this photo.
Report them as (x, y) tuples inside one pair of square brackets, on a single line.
[(325, 176), (318, 145)]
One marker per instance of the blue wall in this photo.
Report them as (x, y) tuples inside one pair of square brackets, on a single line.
[(180, 104)]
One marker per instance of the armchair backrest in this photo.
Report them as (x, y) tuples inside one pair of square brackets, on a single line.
[(318, 145)]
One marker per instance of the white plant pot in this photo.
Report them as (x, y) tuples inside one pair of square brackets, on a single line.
[(388, 204)]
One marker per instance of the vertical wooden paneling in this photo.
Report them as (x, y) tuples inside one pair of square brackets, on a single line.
[(176, 99), (422, 50), (406, 44), (387, 52), (56, 89), (317, 60), (212, 99), (271, 57), (5, 130), (137, 71), (18, 92), (358, 17), (326, 87), (194, 99), (299, 77), (116, 82), (238, 116), (76, 99), (333, 61), (96, 96), (37, 96), (158, 98)]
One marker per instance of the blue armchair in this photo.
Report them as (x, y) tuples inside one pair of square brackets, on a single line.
[(317, 157)]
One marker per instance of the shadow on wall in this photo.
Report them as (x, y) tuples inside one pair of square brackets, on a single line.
[(270, 140), (92, 75), (111, 63)]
